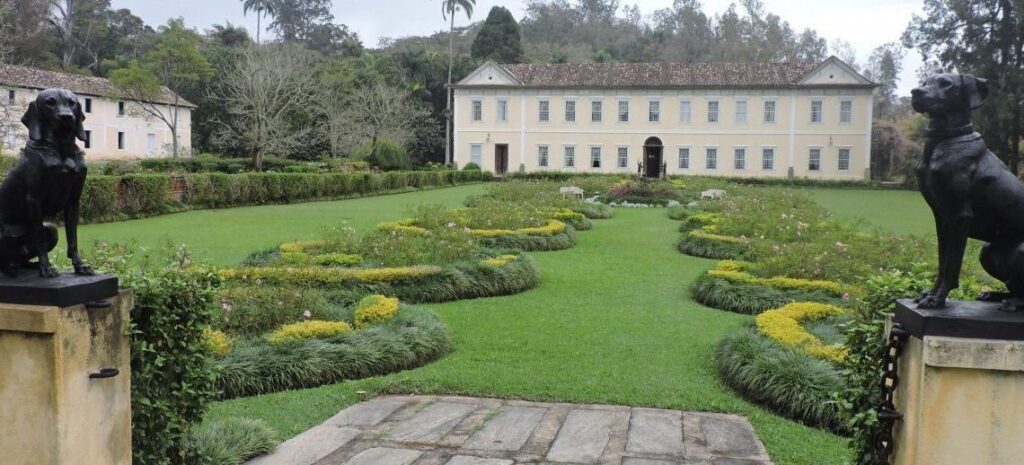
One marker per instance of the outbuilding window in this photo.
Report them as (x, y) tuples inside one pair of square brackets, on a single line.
[(120, 141)]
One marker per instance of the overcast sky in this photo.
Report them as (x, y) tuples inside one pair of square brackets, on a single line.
[(865, 24)]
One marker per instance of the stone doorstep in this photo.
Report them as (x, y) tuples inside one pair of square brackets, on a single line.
[(452, 430)]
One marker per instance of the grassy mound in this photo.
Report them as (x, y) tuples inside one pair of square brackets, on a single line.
[(750, 298), (533, 243), (699, 245)]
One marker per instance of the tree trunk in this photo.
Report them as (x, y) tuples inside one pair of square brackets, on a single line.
[(448, 155), (259, 14)]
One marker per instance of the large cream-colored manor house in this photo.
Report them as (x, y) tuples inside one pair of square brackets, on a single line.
[(808, 120)]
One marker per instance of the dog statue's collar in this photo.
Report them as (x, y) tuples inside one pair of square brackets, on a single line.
[(949, 133)]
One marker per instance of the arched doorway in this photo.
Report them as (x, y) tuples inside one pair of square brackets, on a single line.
[(653, 157)]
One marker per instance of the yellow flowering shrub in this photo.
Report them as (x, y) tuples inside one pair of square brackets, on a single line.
[(553, 227), (316, 275), (299, 246), (375, 309), (785, 326), (329, 259), (218, 342), (565, 214), (717, 237), (313, 329), (405, 226), (732, 265), (778, 282), (499, 261)]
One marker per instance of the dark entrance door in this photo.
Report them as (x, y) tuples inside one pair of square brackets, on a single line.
[(500, 159), (653, 158)]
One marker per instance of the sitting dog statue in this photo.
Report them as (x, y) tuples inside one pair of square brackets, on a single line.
[(46, 181), (971, 192)]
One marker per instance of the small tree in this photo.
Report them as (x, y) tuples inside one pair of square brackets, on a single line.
[(174, 63), (371, 113), (499, 38), (266, 97)]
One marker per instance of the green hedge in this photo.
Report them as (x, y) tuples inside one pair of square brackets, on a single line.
[(561, 241), (707, 248), (750, 299), (111, 198)]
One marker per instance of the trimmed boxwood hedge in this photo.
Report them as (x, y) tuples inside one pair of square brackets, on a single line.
[(594, 211), (750, 298), (411, 339), (793, 384), (706, 248), (112, 198), (533, 243)]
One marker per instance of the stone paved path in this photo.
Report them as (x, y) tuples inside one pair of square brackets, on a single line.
[(440, 430)]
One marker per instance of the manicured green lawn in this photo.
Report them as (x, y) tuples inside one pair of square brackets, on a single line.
[(225, 237), (900, 211), (612, 322)]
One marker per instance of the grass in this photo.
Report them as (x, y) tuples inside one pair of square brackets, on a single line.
[(900, 211)]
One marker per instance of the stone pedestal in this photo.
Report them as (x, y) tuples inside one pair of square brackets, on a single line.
[(961, 386), (65, 381)]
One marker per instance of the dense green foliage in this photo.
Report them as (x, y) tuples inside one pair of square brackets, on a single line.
[(749, 298), (385, 155), (228, 441), (698, 246), (499, 38)]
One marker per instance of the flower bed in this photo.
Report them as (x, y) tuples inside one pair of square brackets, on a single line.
[(786, 326), (749, 299), (707, 245)]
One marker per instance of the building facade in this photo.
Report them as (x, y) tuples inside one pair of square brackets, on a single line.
[(116, 129), (809, 120)]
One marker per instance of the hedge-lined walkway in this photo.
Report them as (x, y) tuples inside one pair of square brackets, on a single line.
[(611, 323)]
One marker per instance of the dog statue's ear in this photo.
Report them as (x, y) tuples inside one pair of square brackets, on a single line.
[(32, 122), (975, 90), (79, 119)]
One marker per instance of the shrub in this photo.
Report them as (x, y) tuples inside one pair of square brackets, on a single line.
[(327, 276), (231, 441), (389, 156), (375, 309), (99, 199), (413, 338), (703, 220), (780, 282), (217, 342), (785, 326), (550, 229), (701, 244), (594, 211), (471, 167), (499, 261), (312, 329), (146, 194), (749, 298), (250, 310), (643, 191), (793, 384), (533, 243), (327, 259), (406, 248)]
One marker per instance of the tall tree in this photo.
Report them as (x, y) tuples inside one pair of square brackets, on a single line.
[(295, 20), (986, 38), (884, 67), (174, 64), (448, 10), (499, 38), (266, 96), (261, 8), (372, 113)]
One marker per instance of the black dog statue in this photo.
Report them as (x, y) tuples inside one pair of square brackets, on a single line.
[(46, 181), (971, 193)]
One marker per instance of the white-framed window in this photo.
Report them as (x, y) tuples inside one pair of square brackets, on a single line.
[(843, 159), (768, 158), (712, 111), (814, 160), (741, 111), (544, 110), (502, 110), (120, 108), (570, 111), (684, 158), (654, 111), (596, 111), (570, 156), (88, 105), (478, 110), (685, 111), (88, 139), (816, 110), (739, 158), (120, 141), (769, 111), (476, 154), (623, 158), (595, 157), (623, 111), (846, 111), (542, 156), (711, 159)]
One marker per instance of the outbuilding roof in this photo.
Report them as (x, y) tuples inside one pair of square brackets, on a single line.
[(34, 78)]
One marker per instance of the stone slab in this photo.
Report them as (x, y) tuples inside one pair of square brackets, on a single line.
[(973, 320), (431, 423), (639, 461), (470, 460), (308, 447), (654, 431), (509, 430), (385, 456), (583, 436), (730, 438), (368, 413), (66, 290)]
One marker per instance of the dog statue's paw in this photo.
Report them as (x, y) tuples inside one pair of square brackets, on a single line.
[(1012, 305), (932, 301), (48, 271), (84, 269), (923, 296)]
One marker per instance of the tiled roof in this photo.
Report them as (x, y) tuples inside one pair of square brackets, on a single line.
[(652, 75), (33, 78)]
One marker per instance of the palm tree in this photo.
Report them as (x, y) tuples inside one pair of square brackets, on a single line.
[(448, 9), (261, 7)]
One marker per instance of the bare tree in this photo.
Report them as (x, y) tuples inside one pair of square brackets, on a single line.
[(265, 97), (6, 32), (371, 113)]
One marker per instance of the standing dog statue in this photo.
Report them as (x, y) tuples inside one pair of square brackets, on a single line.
[(46, 181), (971, 193)]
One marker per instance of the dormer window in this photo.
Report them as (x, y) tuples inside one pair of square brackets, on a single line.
[(10, 97), (120, 108)]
